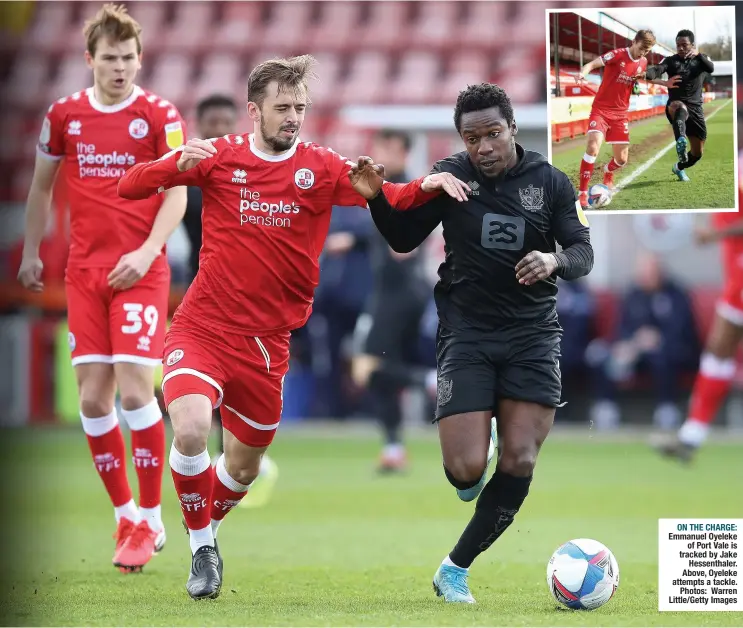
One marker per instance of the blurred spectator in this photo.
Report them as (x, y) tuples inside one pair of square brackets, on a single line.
[(389, 333), (345, 282), (216, 116), (657, 336), (576, 307)]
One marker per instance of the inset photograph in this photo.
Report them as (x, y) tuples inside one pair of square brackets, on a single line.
[(642, 106)]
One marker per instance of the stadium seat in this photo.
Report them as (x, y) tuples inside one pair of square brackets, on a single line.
[(51, 28), (485, 26), (387, 26), (172, 78), (466, 68), (337, 28), (220, 73), (347, 140), (417, 79), (192, 29), (367, 79), (529, 22), (286, 26), (324, 91), (73, 75), (435, 24), (239, 29), (151, 17), (25, 87), (521, 75)]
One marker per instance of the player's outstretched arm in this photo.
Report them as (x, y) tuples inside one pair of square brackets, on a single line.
[(132, 266), (367, 180), (706, 63), (38, 209), (591, 66), (186, 165), (405, 231)]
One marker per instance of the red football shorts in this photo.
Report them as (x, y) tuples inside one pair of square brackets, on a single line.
[(730, 305), (615, 129), (116, 326), (243, 376)]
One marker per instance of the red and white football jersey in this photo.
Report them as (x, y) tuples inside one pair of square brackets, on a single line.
[(616, 86), (265, 219), (97, 144)]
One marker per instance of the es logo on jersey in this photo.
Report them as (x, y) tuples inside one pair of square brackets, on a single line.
[(502, 232), (138, 128), (304, 178)]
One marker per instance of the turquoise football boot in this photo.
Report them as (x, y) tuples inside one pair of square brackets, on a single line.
[(450, 583)]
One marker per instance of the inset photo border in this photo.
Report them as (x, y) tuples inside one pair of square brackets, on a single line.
[(624, 106)]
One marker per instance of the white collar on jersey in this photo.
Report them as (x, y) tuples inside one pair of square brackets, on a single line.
[(266, 157), (629, 54), (119, 106)]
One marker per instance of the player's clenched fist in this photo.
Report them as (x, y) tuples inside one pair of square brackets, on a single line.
[(535, 266), (193, 152), (29, 274)]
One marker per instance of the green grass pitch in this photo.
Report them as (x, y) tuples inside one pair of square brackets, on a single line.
[(712, 184), (339, 545)]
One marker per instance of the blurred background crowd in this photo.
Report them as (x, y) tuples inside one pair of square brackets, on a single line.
[(389, 75)]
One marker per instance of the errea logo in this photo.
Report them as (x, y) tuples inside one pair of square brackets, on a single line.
[(74, 128), (239, 176), (474, 188)]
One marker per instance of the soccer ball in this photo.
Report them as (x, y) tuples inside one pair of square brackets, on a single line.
[(599, 195), (583, 574)]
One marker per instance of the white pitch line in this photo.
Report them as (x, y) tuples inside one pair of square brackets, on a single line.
[(636, 173)]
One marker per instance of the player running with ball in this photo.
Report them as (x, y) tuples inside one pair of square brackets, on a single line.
[(267, 200), (608, 120), (498, 342), (118, 279), (684, 108)]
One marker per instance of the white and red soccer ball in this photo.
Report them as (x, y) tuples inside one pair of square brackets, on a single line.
[(583, 574)]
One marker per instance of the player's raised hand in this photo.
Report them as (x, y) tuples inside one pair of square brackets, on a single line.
[(448, 183), (693, 52), (535, 266), (29, 274), (194, 152), (366, 177), (131, 268)]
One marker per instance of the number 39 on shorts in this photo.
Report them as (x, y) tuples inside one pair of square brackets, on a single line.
[(138, 315)]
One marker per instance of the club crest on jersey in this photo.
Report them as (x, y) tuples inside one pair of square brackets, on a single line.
[(174, 135), (138, 128), (304, 178), (75, 127), (592, 124), (174, 356), (239, 176), (532, 199)]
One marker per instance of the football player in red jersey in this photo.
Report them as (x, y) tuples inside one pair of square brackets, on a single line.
[(608, 120), (118, 279), (718, 364), (267, 199)]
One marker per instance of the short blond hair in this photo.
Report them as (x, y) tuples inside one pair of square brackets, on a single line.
[(292, 73), (115, 24), (646, 36)]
